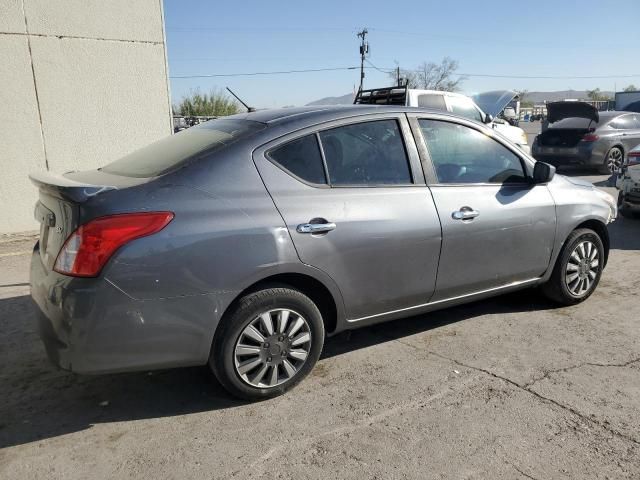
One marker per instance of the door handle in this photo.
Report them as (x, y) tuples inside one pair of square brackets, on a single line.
[(315, 227), (465, 213)]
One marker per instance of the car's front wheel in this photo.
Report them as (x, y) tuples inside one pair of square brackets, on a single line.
[(578, 268), (267, 343)]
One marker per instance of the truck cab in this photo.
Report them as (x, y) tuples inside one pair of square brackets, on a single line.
[(456, 103)]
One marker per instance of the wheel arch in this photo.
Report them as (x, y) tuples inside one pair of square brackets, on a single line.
[(326, 297), (601, 229)]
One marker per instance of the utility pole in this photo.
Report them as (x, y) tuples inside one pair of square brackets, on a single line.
[(364, 50)]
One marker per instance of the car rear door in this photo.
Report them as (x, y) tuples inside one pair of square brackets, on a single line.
[(629, 133), (356, 205), (497, 227)]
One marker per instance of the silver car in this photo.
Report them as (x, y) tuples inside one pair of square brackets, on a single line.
[(243, 242), (579, 135)]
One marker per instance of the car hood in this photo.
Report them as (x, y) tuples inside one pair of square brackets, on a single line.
[(559, 110), (577, 181), (495, 101)]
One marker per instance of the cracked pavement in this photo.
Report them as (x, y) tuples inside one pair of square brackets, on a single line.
[(511, 387)]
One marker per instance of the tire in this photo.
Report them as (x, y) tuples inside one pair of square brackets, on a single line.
[(613, 153), (558, 288), (248, 372), (625, 211)]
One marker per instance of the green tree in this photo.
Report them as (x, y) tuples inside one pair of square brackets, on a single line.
[(631, 88), (432, 76), (214, 103), (597, 95)]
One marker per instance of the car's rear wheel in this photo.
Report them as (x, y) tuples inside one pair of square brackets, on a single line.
[(578, 268), (267, 343), (613, 161)]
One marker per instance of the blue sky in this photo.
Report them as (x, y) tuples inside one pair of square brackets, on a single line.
[(532, 38)]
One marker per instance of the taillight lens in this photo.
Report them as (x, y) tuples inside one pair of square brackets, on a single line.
[(633, 158), (590, 137), (88, 248)]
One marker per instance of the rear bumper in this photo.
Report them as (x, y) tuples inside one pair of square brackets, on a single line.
[(577, 158), (88, 325)]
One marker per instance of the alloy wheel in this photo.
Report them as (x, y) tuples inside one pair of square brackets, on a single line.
[(614, 159), (582, 268), (272, 348)]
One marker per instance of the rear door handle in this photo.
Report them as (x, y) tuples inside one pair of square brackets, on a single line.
[(465, 213), (315, 227)]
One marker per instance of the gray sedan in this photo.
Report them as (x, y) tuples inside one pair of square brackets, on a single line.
[(579, 135), (243, 242)]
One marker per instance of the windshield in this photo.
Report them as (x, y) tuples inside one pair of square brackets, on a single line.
[(172, 151)]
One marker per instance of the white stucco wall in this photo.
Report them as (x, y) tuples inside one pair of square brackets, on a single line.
[(82, 82)]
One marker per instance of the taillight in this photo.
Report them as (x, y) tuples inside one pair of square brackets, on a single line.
[(88, 248), (633, 159), (590, 137)]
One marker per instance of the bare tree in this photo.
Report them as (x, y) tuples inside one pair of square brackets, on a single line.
[(433, 76), (631, 88)]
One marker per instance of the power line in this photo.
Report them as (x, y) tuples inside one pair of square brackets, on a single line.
[(387, 70), (250, 74)]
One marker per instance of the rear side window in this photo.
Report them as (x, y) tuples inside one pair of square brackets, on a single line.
[(464, 155), (624, 122), (173, 151), (301, 157), (432, 100), (368, 153)]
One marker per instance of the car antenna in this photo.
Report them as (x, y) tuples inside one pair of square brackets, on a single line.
[(249, 109)]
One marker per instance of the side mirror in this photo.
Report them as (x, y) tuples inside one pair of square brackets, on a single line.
[(543, 172), (488, 118)]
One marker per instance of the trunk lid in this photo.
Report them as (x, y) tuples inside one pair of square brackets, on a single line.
[(558, 110), (58, 207)]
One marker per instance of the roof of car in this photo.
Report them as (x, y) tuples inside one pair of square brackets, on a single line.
[(309, 114)]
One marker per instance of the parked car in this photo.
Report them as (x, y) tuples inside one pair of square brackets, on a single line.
[(242, 242), (628, 183), (579, 135), (482, 108)]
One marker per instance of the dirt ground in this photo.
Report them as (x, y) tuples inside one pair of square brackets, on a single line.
[(511, 387)]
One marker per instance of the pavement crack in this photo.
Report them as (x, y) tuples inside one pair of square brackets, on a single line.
[(526, 389), (517, 469), (548, 373)]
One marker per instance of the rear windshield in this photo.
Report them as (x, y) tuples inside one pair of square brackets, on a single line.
[(172, 151)]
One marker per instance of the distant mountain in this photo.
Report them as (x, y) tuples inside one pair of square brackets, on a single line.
[(342, 100), (535, 97)]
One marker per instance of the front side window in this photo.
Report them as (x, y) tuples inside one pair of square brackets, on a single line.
[(301, 157), (368, 153), (464, 108), (464, 155)]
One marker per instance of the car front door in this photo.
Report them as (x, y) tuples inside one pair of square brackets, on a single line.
[(497, 227), (354, 200)]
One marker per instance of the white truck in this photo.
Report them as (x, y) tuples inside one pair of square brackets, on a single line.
[(483, 108)]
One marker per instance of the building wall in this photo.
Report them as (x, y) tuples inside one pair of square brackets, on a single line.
[(82, 82)]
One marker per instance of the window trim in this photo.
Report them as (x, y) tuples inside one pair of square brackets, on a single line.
[(408, 140), (427, 162)]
